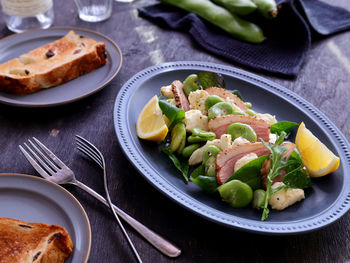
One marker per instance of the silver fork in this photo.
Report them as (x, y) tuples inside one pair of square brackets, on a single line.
[(53, 169), (94, 154)]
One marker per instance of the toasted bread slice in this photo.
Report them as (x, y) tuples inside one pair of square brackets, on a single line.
[(33, 242), (52, 64)]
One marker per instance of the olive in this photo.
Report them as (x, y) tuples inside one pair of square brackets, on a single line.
[(241, 130), (210, 150), (236, 193), (258, 198), (211, 101), (220, 109)]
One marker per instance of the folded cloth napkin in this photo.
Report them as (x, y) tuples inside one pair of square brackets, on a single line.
[(288, 37)]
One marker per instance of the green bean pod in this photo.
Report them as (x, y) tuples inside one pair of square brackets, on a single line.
[(222, 18), (239, 7), (267, 8)]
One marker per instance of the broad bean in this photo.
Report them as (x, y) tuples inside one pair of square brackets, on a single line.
[(190, 84), (178, 137)]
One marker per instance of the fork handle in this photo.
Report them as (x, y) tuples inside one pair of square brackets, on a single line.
[(156, 240)]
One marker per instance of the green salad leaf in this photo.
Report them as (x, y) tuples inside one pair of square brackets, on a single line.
[(298, 178), (281, 126), (207, 183), (250, 173), (211, 79), (181, 165), (237, 93), (174, 114)]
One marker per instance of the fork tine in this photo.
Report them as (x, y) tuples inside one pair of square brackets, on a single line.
[(43, 164), (53, 157), (52, 166), (89, 151), (83, 150), (89, 146), (35, 165)]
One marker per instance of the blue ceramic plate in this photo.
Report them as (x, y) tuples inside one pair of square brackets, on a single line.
[(326, 202), (33, 199), (81, 87)]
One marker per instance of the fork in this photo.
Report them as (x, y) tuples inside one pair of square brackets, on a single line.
[(94, 154), (53, 169)]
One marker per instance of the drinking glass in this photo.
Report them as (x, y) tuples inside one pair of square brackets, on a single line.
[(94, 10)]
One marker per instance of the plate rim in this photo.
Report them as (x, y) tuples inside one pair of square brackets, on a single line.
[(71, 196), (59, 103), (314, 222)]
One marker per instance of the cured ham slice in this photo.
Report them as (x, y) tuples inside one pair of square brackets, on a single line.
[(222, 93), (181, 100), (219, 125), (226, 160), (267, 165)]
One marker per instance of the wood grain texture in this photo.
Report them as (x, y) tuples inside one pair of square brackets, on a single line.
[(324, 81)]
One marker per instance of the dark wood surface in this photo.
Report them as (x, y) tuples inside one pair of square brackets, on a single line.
[(324, 81)]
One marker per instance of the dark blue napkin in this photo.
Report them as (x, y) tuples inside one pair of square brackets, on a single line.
[(288, 37)]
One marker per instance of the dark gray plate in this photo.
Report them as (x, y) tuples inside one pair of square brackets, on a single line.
[(326, 202), (18, 44), (33, 199)]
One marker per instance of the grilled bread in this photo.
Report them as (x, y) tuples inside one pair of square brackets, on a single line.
[(52, 64), (33, 242)]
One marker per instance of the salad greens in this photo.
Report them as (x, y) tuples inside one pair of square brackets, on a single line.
[(281, 126), (181, 165), (173, 113), (211, 79)]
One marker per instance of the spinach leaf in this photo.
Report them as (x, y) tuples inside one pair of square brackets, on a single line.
[(207, 183), (298, 178), (173, 113), (200, 170), (285, 126), (211, 79), (237, 93), (181, 165), (250, 173)]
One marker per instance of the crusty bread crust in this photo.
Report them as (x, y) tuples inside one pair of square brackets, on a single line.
[(33, 242), (52, 64)]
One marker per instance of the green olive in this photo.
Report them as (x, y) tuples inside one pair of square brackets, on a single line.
[(178, 137), (258, 198), (220, 109), (236, 193), (210, 166), (241, 130), (210, 150), (212, 100)]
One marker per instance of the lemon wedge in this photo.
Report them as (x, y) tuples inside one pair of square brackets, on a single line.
[(317, 158), (150, 124)]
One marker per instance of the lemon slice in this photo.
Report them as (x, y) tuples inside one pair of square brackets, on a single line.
[(150, 124), (317, 158)]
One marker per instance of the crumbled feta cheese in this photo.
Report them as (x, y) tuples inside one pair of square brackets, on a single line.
[(266, 117), (285, 197), (172, 101), (272, 138), (195, 119), (244, 160), (197, 100), (167, 91), (196, 157), (225, 141), (239, 141)]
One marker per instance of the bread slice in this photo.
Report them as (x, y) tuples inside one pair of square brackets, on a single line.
[(33, 242), (52, 64)]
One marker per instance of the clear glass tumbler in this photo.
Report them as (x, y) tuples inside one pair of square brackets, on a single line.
[(22, 15), (94, 10)]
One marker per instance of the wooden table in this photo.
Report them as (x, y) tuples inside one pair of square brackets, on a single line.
[(324, 81)]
